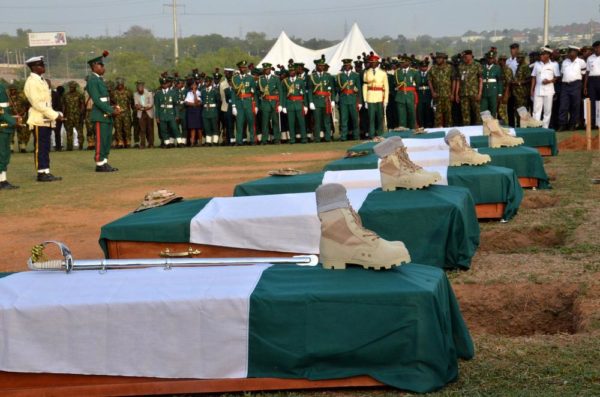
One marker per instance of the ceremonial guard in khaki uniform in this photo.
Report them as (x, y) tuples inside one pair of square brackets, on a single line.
[(41, 117), (424, 109), (244, 104), (440, 83), (74, 108), (166, 113), (468, 89), (375, 94), (297, 98), (123, 98), (321, 86), (101, 114), (350, 99), (19, 106), (405, 85), (492, 84), (210, 98), (7, 128), (271, 100)]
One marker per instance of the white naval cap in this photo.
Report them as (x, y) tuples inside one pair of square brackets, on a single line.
[(32, 60), (546, 49), (572, 47), (229, 69)]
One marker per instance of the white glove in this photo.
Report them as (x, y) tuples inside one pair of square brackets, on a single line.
[(332, 104), (284, 110), (234, 111), (305, 109), (366, 105), (279, 109), (359, 106), (256, 110), (312, 106)]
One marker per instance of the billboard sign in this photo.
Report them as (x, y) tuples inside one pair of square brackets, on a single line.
[(47, 39)]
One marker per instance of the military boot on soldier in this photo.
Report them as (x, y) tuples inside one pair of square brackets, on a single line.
[(344, 240)]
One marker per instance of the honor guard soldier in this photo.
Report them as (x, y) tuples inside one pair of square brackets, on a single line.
[(41, 118), (210, 98), (226, 106), (405, 85), (19, 106), (271, 100), (166, 102), (350, 99), (492, 84), (440, 84), (320, 84), (296, 100), (7, 128), (123, 98), (468, 89), (375, 94), (424, 109), (73, 104), (102, 113), (180, 88), (244, 104)]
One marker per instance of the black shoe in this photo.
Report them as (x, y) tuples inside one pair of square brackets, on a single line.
[(47, 178), (6, 185), (106, 168)]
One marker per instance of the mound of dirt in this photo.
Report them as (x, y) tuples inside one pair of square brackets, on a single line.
[(506, 240), (519, 309), (537, 200), (577, 142)]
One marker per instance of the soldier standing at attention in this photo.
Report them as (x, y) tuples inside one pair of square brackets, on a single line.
[(405, 85), (440, 83), (210, 99), (165, 111), (102, 112), (271, 100), (424, 109), (244, 104), (350, 99), (74, 108), (123, 98), (505, 97), (296, 102), (179, 85), (520, 83), (226, 101), (89, 128), (41, 118), (492, 85), (468, 88), (7, 125), (375, 94), (320, 84), (19, 106)]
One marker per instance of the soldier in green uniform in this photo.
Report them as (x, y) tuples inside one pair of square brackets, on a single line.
[(349, 92), (468, 89), (492, 85), (19, 107), (181, 90), (166, 113), (424, 109), (210, 98), (295, 104), (73, 104), (244, 104), (321, 86), (122, 97), (101, 114), (521, 85), (90, 133), (507, 78), (405, 87), (7, 128), (440, 84), (271, 100)]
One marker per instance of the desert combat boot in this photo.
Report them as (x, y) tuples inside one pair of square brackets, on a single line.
[(397, 170), (344, 240), (526, 121), (461, 152), (498, 136)]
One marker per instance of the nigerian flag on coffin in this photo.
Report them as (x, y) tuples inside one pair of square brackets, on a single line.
[(403, 327)]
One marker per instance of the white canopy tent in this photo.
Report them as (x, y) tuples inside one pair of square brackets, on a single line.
[(284, 49)]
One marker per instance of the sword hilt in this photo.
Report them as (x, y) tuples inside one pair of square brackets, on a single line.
[(56, 264), (37, 253)]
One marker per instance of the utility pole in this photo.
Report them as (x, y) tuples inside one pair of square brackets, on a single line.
[(175, 43), (546, 12)]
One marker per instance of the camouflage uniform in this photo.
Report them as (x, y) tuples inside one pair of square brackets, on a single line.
[(124, 99), (507, 78), (90, 133), (468, 77), (440, 77), (520, 84), (73, 105), (19, 106)]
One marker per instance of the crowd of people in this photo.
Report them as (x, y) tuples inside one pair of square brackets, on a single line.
[(263, 104)]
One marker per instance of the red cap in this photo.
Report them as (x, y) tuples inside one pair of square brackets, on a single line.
[(373, 58)]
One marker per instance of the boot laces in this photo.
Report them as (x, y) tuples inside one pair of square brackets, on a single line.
[(466, 147), (402, 155), (365, 232)]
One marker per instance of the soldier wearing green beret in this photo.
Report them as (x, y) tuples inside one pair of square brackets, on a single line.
[(271, 100), (349, 92), (468, 89), (245, 95), (7, 129), (424, 109), (166, 112), (405, 97), (321, 86), (73, 104), (440, 85), (492, 85)]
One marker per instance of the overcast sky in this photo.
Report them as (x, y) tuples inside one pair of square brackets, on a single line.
[(305, 19)]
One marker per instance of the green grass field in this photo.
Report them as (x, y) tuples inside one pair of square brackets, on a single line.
[(545, 262)]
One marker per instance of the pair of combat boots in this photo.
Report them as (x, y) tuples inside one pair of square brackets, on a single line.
[(498, 136)]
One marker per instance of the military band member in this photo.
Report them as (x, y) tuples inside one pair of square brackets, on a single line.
[(468, 88), (102, 113), (321, 86), (492, 85), (271, 100), (41, 118), (295, 104), (244, 104), (166, 112), (350, 99), (375, 94), (7, 129), (405, 85)]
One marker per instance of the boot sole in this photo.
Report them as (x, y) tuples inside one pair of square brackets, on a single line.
[(387, 187), (339, 264), (459, 164)]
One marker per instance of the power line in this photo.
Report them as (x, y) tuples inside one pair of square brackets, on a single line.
[(85, 5)]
